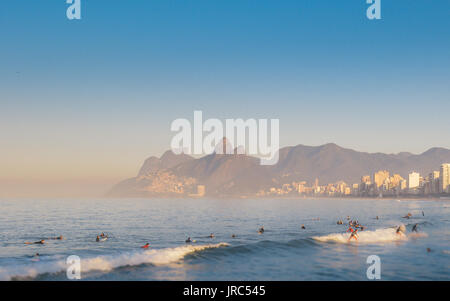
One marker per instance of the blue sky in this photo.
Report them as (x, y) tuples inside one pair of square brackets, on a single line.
[(99, 94)]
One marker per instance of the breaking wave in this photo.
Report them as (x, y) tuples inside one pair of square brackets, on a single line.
[(376, 236), (105, 263)]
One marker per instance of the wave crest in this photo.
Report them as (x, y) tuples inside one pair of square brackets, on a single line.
[(376, 236), (105, 262)]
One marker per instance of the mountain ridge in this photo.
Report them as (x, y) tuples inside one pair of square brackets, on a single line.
[(235, 174)]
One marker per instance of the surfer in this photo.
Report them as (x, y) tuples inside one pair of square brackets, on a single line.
[(261, 230), (414, 228), (188, 240), (58, 238), (408, 216), (35, 257), (41, 242), (354, 235), (399, 230), (303, 227), (145, 246)]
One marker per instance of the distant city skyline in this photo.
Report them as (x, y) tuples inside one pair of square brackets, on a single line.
[(85, 102)]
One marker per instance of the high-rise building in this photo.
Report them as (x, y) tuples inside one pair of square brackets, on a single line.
[(413, 180), (444, 180), (379, 178), (434, 179), (365, 180), (316, 183), (403, 185), (201, 190)]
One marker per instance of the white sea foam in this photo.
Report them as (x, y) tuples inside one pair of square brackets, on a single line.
[(368, 237), (105, 263)]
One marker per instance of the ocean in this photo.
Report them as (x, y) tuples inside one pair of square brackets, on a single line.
[(284, 251)]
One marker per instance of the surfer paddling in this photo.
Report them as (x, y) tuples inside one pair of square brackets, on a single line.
[(40, 242), (57, 238), (146, 246)]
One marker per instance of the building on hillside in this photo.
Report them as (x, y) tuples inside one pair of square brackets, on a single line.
[(444, 178), (379, 178), (413, 180)]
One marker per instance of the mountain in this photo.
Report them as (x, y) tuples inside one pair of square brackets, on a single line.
[(232, 174), (167, 160), (330, 163)]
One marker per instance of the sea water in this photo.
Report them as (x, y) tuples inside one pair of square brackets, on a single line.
[(284, 251)]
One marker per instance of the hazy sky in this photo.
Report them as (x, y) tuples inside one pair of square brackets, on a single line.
[(87, 101)]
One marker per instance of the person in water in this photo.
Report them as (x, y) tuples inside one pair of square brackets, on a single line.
[(303, 227), (261, 230), (399, 231), (233, 236), (145, 246), (414, 228), (98, 238), (188, 240), (58, 238), (211, 235), (408, 216), (41, 242), (354, 235)]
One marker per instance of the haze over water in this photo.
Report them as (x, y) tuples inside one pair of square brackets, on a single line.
[(283, 252)]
